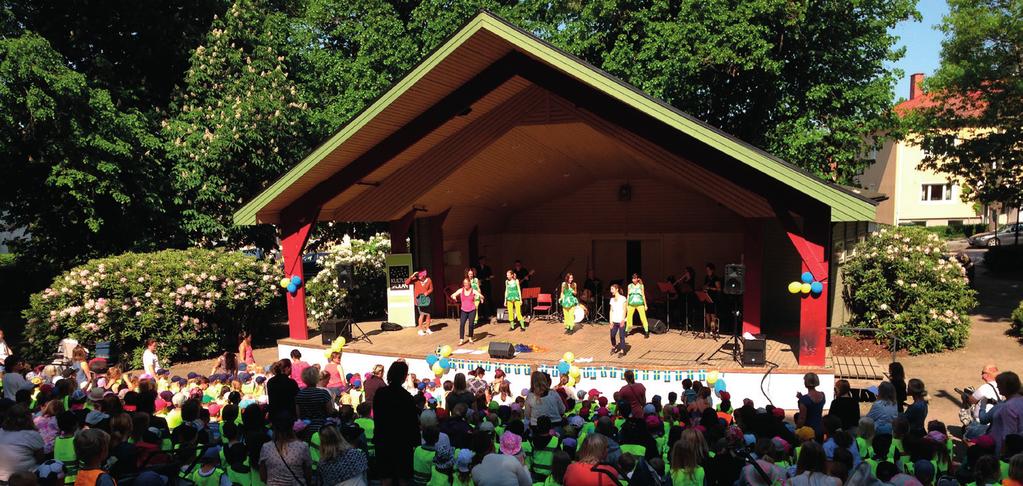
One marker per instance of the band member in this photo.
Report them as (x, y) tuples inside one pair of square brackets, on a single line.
[(522, 273), (467, 297), (617, 317), (569, 301), (486, 276), (422, 291), (470, 274), (513, 300), (711, 284), (591, 290), (637, 303)]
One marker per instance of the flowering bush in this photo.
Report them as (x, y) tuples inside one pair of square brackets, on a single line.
[(194, 301), (325, 300), (900, 283), (1017, 318)]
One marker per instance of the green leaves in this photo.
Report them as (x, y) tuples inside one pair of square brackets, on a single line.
[(899, 282), (974, 130)]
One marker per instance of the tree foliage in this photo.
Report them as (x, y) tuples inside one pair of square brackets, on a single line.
[(974, 131), (202, 103)]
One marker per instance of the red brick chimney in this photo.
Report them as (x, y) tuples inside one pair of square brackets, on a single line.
[(916, 88)]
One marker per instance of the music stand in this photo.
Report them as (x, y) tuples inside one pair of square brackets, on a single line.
[(704, 298), (668, 290)]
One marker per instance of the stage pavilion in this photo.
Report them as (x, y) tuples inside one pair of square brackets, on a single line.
[(502, 145)]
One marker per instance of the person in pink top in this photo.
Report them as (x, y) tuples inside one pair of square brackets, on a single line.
[(245, 348), (297, 367), (467, 297), (336, 372)]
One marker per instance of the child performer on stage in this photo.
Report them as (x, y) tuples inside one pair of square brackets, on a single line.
[(637, 302), (422, 287), (470, 274), (569, 301), (513, 300), (617, 319), (467, 297)]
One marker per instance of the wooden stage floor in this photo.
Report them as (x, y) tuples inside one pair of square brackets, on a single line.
[(661, 351)]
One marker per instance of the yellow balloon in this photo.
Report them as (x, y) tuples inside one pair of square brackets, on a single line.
[(437, 370), (805, 288), (712, 377), (568, 357), (338, 344), (573, 372), (571, 381), (327, 353), (795, 287), (285, 282), (445, 351)]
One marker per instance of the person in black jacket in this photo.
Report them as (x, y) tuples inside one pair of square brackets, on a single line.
[(397, 426), (845, 407), (281, 390)]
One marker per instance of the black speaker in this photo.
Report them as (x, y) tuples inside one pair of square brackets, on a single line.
[(331, 329), (754, 351), (658, 326), (735, 279), (344, 277), (502, 350)]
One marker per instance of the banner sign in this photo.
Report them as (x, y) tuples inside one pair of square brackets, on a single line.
[(400, 302)]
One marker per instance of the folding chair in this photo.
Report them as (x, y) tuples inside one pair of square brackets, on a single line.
[(545, 304), (529, 295)]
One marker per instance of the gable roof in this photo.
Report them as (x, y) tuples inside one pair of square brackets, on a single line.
[(471, 50)]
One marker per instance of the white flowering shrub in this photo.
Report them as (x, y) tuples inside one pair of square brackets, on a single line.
[(901, 283), (368, 295), (193, 301)]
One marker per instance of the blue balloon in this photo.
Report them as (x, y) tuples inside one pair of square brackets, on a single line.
[(807, 277), (431, 359), (816, 287), (292, 288), (445, 363), (296, 280), (719, 386), (563, 367)]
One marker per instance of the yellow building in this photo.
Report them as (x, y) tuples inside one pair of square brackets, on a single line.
[(915, 196)]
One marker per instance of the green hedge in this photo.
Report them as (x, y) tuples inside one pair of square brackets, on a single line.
[(900, 283), (956, 231), (1017, 318), (194, 301)]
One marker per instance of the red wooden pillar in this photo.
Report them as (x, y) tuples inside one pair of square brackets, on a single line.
[(813, 308), (294, 235), (753, 258)]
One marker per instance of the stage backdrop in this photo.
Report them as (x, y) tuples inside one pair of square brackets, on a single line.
[(399, 296)]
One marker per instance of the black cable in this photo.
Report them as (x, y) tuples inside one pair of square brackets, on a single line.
[(762, 380)]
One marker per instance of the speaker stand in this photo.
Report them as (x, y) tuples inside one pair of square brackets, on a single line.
[(352, 326)]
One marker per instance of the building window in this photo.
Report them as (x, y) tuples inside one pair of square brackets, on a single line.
[(936, 192)]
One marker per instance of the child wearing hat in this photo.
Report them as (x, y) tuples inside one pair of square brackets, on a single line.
[(209, 472), (463, 466)]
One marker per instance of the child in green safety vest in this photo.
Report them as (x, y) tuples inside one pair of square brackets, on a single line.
[(368, 426), (422, 457), (686, 456), (545, 443), (443, 462), (209, 472), (64, 444), (558, 468), (513, 300), (463, 469)]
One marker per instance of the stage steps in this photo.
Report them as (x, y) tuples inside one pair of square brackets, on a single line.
[(857, 368)]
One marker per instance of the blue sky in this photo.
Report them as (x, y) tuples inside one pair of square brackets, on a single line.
[(922, 41)]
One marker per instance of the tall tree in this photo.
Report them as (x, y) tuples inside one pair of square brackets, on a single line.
[(81, 176), (237, 122), (974, 129), (804, 80)]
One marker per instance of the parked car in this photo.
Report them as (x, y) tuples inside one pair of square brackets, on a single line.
[(1006, 235)]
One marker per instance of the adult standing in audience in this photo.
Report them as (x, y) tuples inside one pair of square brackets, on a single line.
[(14, 377), (1008, 416), (374, 383), (884, 410), (459, 394), (845, 406), (245, 352), (542, 401), (150, 361), (285, 460), (397, 426), (477, 385), (811, 405), (916, 413), (634, 394), (312, 403), (281, 390)]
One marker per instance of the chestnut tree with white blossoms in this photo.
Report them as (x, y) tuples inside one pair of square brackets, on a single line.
[(193, 301), (900, 282), (368, 294)]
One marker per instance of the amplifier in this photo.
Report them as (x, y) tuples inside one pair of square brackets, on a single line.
[(754, 351), (502, 350)]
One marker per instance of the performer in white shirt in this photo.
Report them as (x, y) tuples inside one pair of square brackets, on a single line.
[(617, 303)]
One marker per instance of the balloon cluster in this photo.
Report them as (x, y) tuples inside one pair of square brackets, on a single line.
[(292, 284), (439, 363), (335, 347), (806, 285), (565, 367)]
